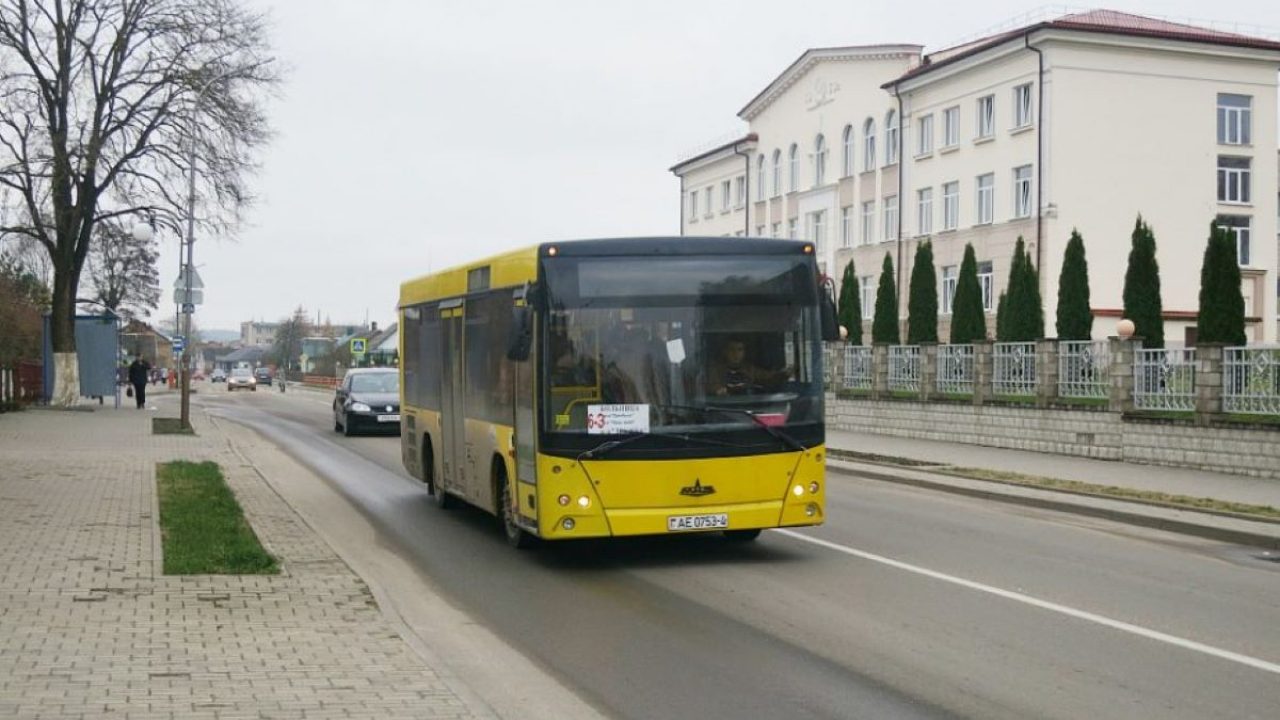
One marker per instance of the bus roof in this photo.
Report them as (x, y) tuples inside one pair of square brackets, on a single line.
[(516, 267)]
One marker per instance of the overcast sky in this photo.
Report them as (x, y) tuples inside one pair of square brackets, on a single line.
[(415, 134)]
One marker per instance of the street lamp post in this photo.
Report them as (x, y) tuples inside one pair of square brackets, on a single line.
[(189, 240)]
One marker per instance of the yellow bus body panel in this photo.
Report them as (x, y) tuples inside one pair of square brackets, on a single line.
[(635, 497), (510, 269)]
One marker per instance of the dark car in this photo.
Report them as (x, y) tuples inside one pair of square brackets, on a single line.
[(263, 376), (368, 400)]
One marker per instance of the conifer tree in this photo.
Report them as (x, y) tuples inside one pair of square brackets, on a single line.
[(1075, 317), (968, 319), (1020, 318), (850, 311), (1221, 318), (884, 329), (1142, 302), (1002, 318), (922, 304)]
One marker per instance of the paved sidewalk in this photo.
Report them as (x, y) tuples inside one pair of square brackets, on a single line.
[(934, 457), (90, 627)]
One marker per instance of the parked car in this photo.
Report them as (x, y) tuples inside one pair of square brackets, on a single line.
[(218, 375), (242, 379), (263, 376), (368, 400)]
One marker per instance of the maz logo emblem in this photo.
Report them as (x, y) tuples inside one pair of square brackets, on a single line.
[(697, 489)]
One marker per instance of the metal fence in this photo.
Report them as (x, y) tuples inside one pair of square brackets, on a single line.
[(857, 368), (1251, 380), (1014, 365), (1084, 369), (904, 368), (956, 372), (1164, 379)]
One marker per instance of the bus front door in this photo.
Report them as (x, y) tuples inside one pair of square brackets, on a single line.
[(452, 426)]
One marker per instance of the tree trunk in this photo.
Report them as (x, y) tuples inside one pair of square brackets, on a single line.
[(62, 330)]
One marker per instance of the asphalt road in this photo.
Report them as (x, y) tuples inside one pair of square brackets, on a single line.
[(906, 604)]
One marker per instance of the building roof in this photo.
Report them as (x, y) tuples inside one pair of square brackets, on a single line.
[(248, 354), (813, 56), (1094, 21), (726, 148)]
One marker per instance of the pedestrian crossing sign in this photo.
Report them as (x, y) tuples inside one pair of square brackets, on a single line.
[(358, 346)]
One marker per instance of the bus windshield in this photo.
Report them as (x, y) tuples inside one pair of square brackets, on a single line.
[(680, 345)]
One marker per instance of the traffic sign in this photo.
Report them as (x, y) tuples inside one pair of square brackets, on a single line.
[(181, 297), (188, 308), (358, 346), (179, 343)]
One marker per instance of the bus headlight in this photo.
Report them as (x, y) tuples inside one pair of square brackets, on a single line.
[(567, 523), (798, 490), (563, 500), (813, 487), (811, 509), (584, 502)]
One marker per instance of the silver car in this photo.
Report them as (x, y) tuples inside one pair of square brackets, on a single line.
[(242, 379)]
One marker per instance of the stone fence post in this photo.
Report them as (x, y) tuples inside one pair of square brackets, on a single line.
[(879, 371), (928, 370), (983, 371), (1209, 381), (1121, 373), (1046, 372)]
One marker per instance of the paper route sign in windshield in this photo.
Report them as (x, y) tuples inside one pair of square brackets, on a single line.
[(614, 419)]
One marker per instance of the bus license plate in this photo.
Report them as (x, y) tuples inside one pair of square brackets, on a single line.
[(680, 523), (388, 418)]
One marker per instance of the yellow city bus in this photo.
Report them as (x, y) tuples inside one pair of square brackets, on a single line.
[(602, 388)]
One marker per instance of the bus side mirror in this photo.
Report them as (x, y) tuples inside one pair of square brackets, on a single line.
[(830, 326), (520, 336)]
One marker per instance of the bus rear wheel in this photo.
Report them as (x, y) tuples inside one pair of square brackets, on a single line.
[(741, 536), (516, 536)]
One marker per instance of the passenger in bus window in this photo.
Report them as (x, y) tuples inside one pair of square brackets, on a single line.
[(734, 375), (568, 368)]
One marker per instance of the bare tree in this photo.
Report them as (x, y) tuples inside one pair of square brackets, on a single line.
[(123, 271), (104, 107), (289, 334)]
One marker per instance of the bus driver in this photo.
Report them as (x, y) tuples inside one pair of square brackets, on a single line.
[(733, 375)]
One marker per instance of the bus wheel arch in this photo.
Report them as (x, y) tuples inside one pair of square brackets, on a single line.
[(442, 498)]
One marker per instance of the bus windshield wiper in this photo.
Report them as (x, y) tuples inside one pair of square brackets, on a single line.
[(784, 437), (608, 446)]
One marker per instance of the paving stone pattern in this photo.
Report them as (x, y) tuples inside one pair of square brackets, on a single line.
[(90, 627)]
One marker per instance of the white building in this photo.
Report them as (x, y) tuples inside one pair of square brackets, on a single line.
[(1083, 122)]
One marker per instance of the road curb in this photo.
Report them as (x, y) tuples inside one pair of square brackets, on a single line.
[(1152, 520)]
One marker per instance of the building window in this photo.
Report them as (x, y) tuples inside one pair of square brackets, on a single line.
[(891, 217), (791, 229), (776, 230), (986, 198), (760, 178), (1235, 118), (1233, 179), (1022, 106), (985, 280), (986, 116), (793, 167), (869, 145), (924, 135), (819, 160), (950, 205), (848, 141), (951, 127), (868, 293), (846, 226), (693, 206), (777, 173), (924, 211), (891, 138), (948, 288), (708, 199), (739, 191), (1241, 226), (1022, 191), (725, 196), (868, 222), (817, 222)]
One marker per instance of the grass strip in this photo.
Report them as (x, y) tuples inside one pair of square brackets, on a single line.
[(202, 527), (169, 426), (1084, 488)]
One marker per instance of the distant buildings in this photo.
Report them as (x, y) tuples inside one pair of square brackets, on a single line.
[(1080, 122)]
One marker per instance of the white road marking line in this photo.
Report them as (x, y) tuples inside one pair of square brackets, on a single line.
[(1046, 605)]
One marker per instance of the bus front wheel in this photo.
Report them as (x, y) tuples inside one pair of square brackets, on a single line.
[(443, 500), (516, 536), (742, 536)]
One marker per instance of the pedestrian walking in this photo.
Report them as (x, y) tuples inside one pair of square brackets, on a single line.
[(139, 370)]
